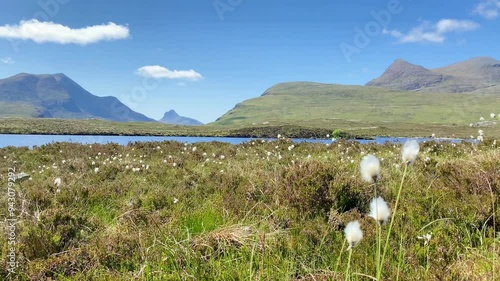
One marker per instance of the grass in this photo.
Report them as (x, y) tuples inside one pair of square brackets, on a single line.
[(18, 109), (376, 107), (261, 212), (102, 127), (307, 128)]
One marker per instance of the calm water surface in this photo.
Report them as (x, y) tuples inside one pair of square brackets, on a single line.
[(38, 140)]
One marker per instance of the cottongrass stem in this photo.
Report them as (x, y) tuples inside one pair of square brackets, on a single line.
[(379, 274), (380, 212), (339, 257), (347, 273)]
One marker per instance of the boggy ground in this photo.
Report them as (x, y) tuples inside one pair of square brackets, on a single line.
[(300, 128), (254, 211)]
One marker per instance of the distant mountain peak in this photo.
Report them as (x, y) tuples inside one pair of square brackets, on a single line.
[(481, 71), (400, 61), (171, 117), (400, 65), (171, 112), (464, 76), (484, 60), (58, 96), (402, 75), (475, 62)]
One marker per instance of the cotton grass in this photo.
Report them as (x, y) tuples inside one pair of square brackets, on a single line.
[(57, 182), (353, 234), (379, 210), (370, 168), (410, 151)]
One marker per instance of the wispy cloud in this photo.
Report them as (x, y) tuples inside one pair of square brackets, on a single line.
[(156, 71), (7, 60), (489, 9), (432, 32), (45, 32)]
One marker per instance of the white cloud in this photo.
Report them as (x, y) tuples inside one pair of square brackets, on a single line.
[(43, 32), (450, 25), (156, 71), (7, 60), (393, 33), (432, 32), (489, 9)]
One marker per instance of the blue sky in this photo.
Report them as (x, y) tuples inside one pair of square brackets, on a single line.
[(202, 57)]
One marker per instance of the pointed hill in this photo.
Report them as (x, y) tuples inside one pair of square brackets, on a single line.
[(402, 75), (171, 117), (476, 74)]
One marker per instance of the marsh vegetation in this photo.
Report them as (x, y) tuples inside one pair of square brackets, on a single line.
[(254, 211)]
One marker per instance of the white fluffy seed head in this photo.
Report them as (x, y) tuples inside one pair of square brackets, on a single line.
[(379, 210), (57, 182), (353, 233), (370, 168), (410, 151)]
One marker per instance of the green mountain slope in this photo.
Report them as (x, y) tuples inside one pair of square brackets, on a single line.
[(305, 102)]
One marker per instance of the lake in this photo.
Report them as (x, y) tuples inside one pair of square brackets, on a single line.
[(38, 140)]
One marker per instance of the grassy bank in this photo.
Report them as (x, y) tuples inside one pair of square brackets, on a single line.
[(254, 211), (102, 127), (317, 128)]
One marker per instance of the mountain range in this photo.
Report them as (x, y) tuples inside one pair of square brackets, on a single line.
[(57, 96), (405, 92), (466, 76)]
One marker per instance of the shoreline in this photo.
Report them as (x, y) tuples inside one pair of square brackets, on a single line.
[(305, 130)]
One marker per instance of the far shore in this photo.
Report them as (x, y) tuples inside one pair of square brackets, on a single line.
[(321, 129)]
